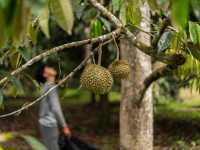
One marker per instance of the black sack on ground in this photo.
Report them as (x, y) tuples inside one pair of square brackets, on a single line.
[(74, 143)]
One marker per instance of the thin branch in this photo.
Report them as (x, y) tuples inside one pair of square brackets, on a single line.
[(61, 48), (65, 79), (159, 73)]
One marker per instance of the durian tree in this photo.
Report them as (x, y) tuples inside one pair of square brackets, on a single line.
[(143, 31)]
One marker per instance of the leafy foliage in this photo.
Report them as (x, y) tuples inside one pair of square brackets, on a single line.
[(22, 38), (180, 12), (194, 30), (44, 21), (63, 13), (196, 8), (96, 28), (1, 98), (116, 5), (34, 143)]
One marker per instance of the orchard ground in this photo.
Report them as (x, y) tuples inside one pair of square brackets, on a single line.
[(176, 125)]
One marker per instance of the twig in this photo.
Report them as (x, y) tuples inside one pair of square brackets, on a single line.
[(118, 50), (60, 48), (70, 75)]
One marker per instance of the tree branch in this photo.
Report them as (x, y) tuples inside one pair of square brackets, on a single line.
[(61, 48), (65, 79), (149, 50), (159, 73)]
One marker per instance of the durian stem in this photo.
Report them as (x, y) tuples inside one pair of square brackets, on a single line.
[(118, 50), (99, 54)]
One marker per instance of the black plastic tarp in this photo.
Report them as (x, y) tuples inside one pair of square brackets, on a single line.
[(74, 143)]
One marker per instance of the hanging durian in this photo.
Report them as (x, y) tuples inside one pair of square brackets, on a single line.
[(97, 78), (120, 69)]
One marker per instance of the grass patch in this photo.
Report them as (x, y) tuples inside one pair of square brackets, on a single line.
[(187, 110)]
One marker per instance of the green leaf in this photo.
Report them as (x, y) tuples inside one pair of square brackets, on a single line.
[(63, 13), (3, 3), (96, 28), (153, 4), (195, 51), (180, 12), (34, 143), (165, 41), (133, 13), (198, 32), (79, 7), (193, 32), (116, 5), (1, 98), (106, 23), (17, 84), (19, 24), (6, 136), (14, 57), (32, 33), (44, 21), (122, 14), (196, 8), (36, 5), (25, 53)]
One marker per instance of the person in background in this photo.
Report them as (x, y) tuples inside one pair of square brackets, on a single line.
[(51, 118)]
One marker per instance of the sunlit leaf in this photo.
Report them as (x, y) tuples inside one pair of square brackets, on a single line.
[(116, 5), (3, 37), (195, 51), (4, 3), (34, 143), (122, 14), (196, 8), (13, 57), (20, 24), (1, 98), (1, 148), (96, 28), (63, 13), (133, 13), (153, 4), (4, 137), (193, 32), (198, 31), (36, 5), (180, 12), (44, 21), (32, 33)]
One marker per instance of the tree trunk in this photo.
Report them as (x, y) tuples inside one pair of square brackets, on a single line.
[(136, 123)]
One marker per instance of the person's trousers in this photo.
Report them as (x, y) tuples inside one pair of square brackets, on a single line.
[(50, 137)]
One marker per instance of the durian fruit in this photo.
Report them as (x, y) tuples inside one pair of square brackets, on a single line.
[(96, 79), (120, 69)]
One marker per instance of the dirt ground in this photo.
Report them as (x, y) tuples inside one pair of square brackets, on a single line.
[(90, 127)]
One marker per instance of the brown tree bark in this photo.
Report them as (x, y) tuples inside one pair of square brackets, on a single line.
[(136, 122)]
